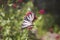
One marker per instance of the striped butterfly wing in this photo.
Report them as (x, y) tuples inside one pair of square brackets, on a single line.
[(28, 20)]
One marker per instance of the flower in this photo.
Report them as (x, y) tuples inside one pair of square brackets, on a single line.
[(14, 5), (42, 11), (57, 37)]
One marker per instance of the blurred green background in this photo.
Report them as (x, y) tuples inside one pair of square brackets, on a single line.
[(11, 17)]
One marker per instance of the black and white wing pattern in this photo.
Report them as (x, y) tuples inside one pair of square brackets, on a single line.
[(28, 20), (30, 16)]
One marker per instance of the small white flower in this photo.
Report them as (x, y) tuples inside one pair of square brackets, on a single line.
[(3, 14), (29, 9), (40, 17), (18, 11), (3, 22), (8, 21), (10, 4), (10, 38), (12, 17)]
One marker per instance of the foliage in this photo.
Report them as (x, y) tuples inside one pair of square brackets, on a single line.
[(12, 18)]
